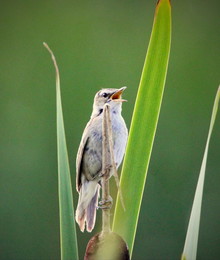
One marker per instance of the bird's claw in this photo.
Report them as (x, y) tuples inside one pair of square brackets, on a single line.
[(105, 204), (106, 171)]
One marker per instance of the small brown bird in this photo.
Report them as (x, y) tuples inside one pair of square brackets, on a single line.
[(89, 156)]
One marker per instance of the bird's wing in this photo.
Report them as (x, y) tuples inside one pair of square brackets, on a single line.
[(84, 140)]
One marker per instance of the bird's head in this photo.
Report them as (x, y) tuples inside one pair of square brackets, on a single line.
[(111, 96)]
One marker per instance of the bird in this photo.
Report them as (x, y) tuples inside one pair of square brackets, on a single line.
[(89, 155)]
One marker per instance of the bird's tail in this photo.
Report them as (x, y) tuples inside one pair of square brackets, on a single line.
[(87, 204)]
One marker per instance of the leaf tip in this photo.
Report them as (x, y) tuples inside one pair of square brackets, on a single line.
[(48, 48), (159, 1), (53, 58)]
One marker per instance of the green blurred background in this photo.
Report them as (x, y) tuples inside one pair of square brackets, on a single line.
[(103, 44)]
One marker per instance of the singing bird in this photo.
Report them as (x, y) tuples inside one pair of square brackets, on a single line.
[(89, 156)]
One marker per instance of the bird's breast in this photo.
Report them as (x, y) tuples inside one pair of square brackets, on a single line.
[(120, 134), (92, 159)]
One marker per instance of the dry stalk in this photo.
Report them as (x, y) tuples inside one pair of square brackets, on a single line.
[(106, 167)]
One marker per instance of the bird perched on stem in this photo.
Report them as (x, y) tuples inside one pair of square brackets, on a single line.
[(89, 156)]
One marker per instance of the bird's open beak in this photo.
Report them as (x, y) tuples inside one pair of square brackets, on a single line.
[(116, 96)]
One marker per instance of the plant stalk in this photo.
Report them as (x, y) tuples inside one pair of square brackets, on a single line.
[(106, 167)]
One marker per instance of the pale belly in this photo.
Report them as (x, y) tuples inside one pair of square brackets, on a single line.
[(92, 157)]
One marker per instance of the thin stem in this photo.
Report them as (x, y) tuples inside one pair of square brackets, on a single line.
[(106, 166)]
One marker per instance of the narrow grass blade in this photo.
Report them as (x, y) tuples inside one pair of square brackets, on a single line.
[(190, 247), (68, 240), (143, 125)]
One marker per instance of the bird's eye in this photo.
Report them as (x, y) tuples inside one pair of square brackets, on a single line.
[(104, 95)]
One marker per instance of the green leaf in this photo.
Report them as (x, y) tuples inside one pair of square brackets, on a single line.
[(190, 247), (68, 239), (143, 125)]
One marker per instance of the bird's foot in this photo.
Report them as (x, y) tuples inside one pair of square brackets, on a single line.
[(106, 172), (105, 204)]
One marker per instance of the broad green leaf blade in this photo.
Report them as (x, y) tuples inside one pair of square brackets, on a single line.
[(190, 247), (68, 239), (143, 125)]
